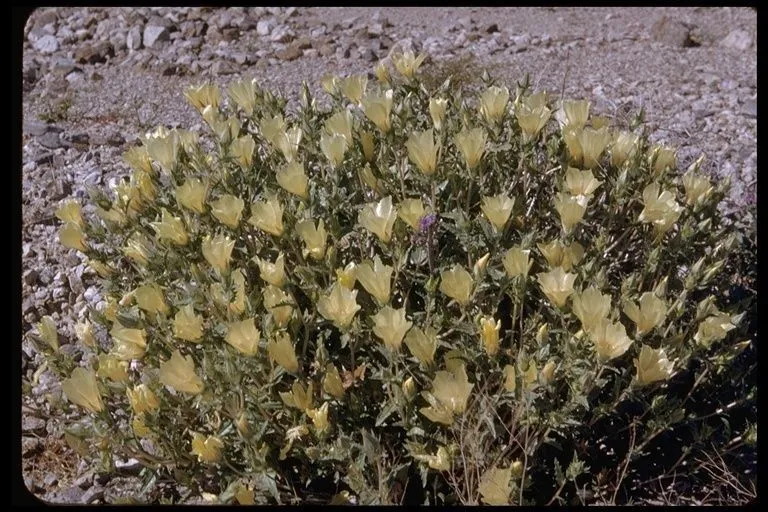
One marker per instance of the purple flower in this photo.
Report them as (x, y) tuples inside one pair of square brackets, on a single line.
[(427, 222)]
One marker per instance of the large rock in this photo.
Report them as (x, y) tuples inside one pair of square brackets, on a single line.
[(672, 32), (47, 44), (94, 53), (737, 40), (133, 39), (154, 34)]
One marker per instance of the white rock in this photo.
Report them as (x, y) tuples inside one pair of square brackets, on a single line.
[(47, 44), (154, 34), (133, 40), (264, 27), (737, 40)]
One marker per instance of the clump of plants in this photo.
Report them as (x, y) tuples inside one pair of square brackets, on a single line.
[(410, 297)]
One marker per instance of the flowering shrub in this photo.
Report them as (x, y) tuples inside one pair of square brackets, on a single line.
[(409, 294)]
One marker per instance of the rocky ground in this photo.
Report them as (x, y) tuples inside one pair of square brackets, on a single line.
[(94, 79)]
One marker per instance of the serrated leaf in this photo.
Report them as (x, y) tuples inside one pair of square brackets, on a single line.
[(385, 413)]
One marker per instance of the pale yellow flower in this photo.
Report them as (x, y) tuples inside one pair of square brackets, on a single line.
[(340, 123), (530, 375), (489, 335), (591, 307), (243, 94), (332, 383), (409, 388), (457, 284), (187, 325), (713, 328), (390, 325), (138, 159), (291, 178), (450, 392), (81, 389), (279, 304), (624, 147), (697, 188), (207, 449), (493, 103), (69, 211), (652, 366), (423, 150), (557, 285), (478, 269), (581, 183), (576, 113), (558, 255), (334, 147), (610, 339), (471, 144), (532, 121), (113, 215), (84, 333), (422, 344), (437, 108), (179, 373), (411, 211), (663, 157), (113, 369), (650, 314), (150, 299), (319, 418), (272, 127), (347, 275), (375, 277), (46, 329), (536, 100), (368, 144), (203, 95), (142, 399), (299, 396), (496, 486), (281, 351), (339, 306), (593, 143), (382, 73), (572, 137), (272, 273), (267, 216), (101, 268), (377, 108), (441, 460), (192, 195), (128, 343), (497, 210), (140, 429), (170, 228), (571, 210), (288, 142), (189, 141), (314, 237), (510, 378), (379, 218), (516, 261), (407, 63), (330, 83), (163, 147), (353, 87), (72, 237), (660, 208), (242, 150), (244, 336), (245, 495), (218, 252), (548, 372)]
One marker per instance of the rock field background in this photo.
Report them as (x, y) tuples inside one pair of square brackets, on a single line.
[(96, 78)]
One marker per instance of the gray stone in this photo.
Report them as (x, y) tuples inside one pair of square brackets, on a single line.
[(290, 53), (264, 27), (51, 140), (63, 65), (671, 32), (32, 425), (30, 484), (154, 34), (94, 53), (69, 495), (281, 34), (30, 276), (84, 481), (749, 107), (50, 480), (30, 446), (35, 128), (737, 40), (47, 44), (223, 67), (133, 39), (130, 466)]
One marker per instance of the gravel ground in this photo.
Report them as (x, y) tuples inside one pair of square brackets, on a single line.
[(94, 79)]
